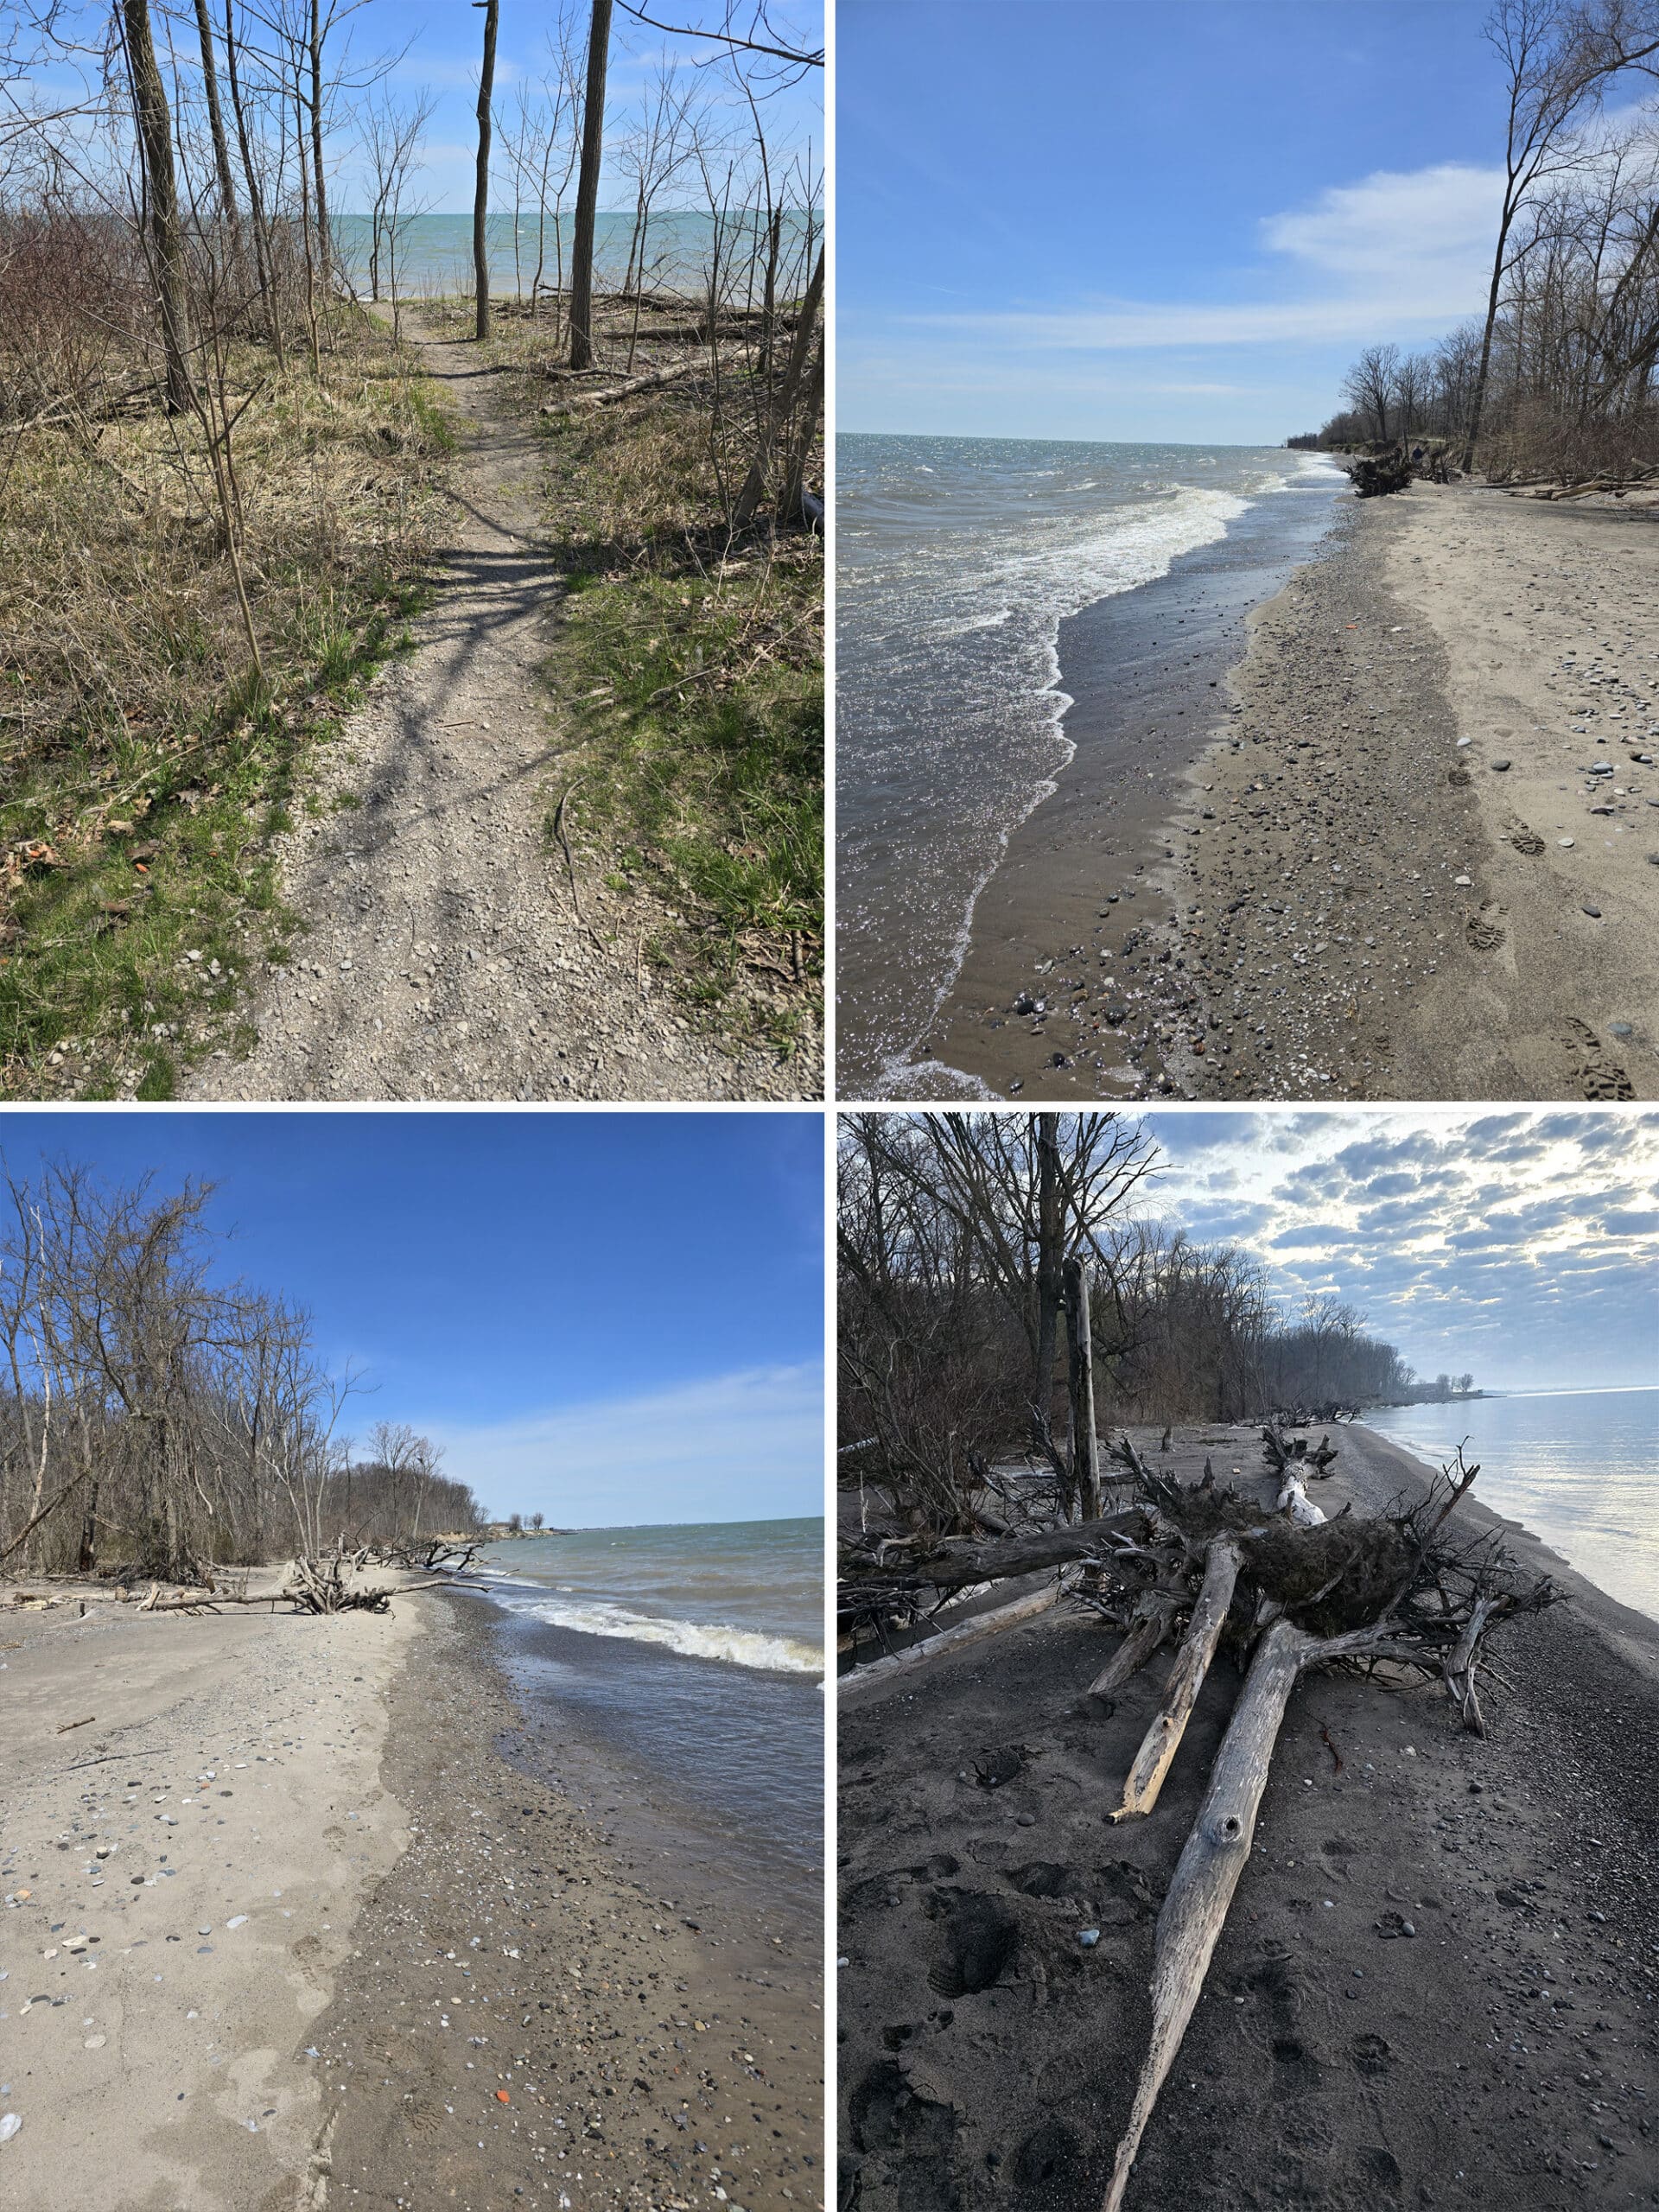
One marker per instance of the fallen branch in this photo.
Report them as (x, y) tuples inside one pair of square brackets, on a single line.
[(1163, 1739), (646, 381)]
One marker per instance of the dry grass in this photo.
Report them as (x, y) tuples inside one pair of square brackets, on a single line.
[(144, 769)]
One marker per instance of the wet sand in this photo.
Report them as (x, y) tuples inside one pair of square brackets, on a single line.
[(1505, 2054), (1085, 874), (362, 1937), (1413, 858), (550, 2002)]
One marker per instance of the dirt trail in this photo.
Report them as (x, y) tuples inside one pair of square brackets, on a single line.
[(444, 956)]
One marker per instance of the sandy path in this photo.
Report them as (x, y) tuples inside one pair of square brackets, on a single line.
[(157, 2000), (444, 957), (1504, 2055)]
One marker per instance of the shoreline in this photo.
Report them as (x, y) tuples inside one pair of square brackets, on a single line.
[(1482, 923), (1086, 863), (1505, 2054), (1384, 871), (439, 1876)]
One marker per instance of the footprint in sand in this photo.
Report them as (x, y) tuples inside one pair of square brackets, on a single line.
[(1523, 839), (1484, 932), (1372, 2054), (1596, 1074), (979, 1938)]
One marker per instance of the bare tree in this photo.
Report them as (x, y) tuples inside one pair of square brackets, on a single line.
[(481, 189), (165, 234), (592, 155)]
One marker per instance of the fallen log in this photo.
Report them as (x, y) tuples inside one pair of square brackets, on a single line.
[(1163, 1739), (879, 1671), (647, 382), (956, 1562), (1397, 1593)]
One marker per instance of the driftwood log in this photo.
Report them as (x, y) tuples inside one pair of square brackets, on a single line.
[(1294, 1594)]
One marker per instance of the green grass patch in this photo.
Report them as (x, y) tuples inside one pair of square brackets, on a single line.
[(143, 770)]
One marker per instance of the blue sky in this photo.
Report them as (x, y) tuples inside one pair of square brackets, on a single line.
[(608, 1317), (435, 46), (1174, 221), (1521, 1245)]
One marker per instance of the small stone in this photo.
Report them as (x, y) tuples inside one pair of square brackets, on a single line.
[(1088, 1937), (1564, 843), (1464, 881), (1594, 913), (1620, 1029), (1500, 767)]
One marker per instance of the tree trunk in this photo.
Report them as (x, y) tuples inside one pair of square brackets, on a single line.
[(754, 484), (792, 506), (481, 189), (1478, 406), (961, 1563), (1085, 1444), (1049, 1230), (1163, 1739), (216, 125), (166, 241), (1215, 1856), (255, 202), (325, 240), (592, 153)]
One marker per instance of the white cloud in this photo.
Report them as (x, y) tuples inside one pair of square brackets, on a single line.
[(1424, 231), (747, 1446), (1399, 252)]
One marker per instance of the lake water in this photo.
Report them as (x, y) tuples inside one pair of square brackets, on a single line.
[(435, 255), (694, 1654), (958, 560), (1579, 1468)]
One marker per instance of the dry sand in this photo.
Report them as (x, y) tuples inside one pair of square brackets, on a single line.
[(1420, 862), (157, 2001), (343, 1950), (1503, 2054)]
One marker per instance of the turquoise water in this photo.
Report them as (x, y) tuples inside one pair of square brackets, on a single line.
[(436, 254), (1579, 1468)]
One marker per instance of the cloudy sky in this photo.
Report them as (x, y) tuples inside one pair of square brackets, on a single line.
[(1091, 218), (1523, 1246)]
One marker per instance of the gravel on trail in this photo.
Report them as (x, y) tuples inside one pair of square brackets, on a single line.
[(443, 956)]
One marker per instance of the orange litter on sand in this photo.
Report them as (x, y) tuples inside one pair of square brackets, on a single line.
[(502, 2098)]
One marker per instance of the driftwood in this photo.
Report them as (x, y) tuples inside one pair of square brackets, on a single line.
[(1162, 1739), (956, 1562), (646, 382), (1387, 1588), (877, 1671)]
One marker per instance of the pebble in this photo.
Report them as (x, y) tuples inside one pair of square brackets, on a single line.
[(1500, 767), (1088, 1937), (1620, 1029), (1594, 913), (9, 2124), (1564, 843)]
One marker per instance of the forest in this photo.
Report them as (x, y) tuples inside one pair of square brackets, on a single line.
[(224, 480), (158, 1421), (1556, 378), (966, 1244)]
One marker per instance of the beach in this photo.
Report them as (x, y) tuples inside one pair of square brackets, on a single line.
[(1503, 2053), (369, 1931), (1378, 856)]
